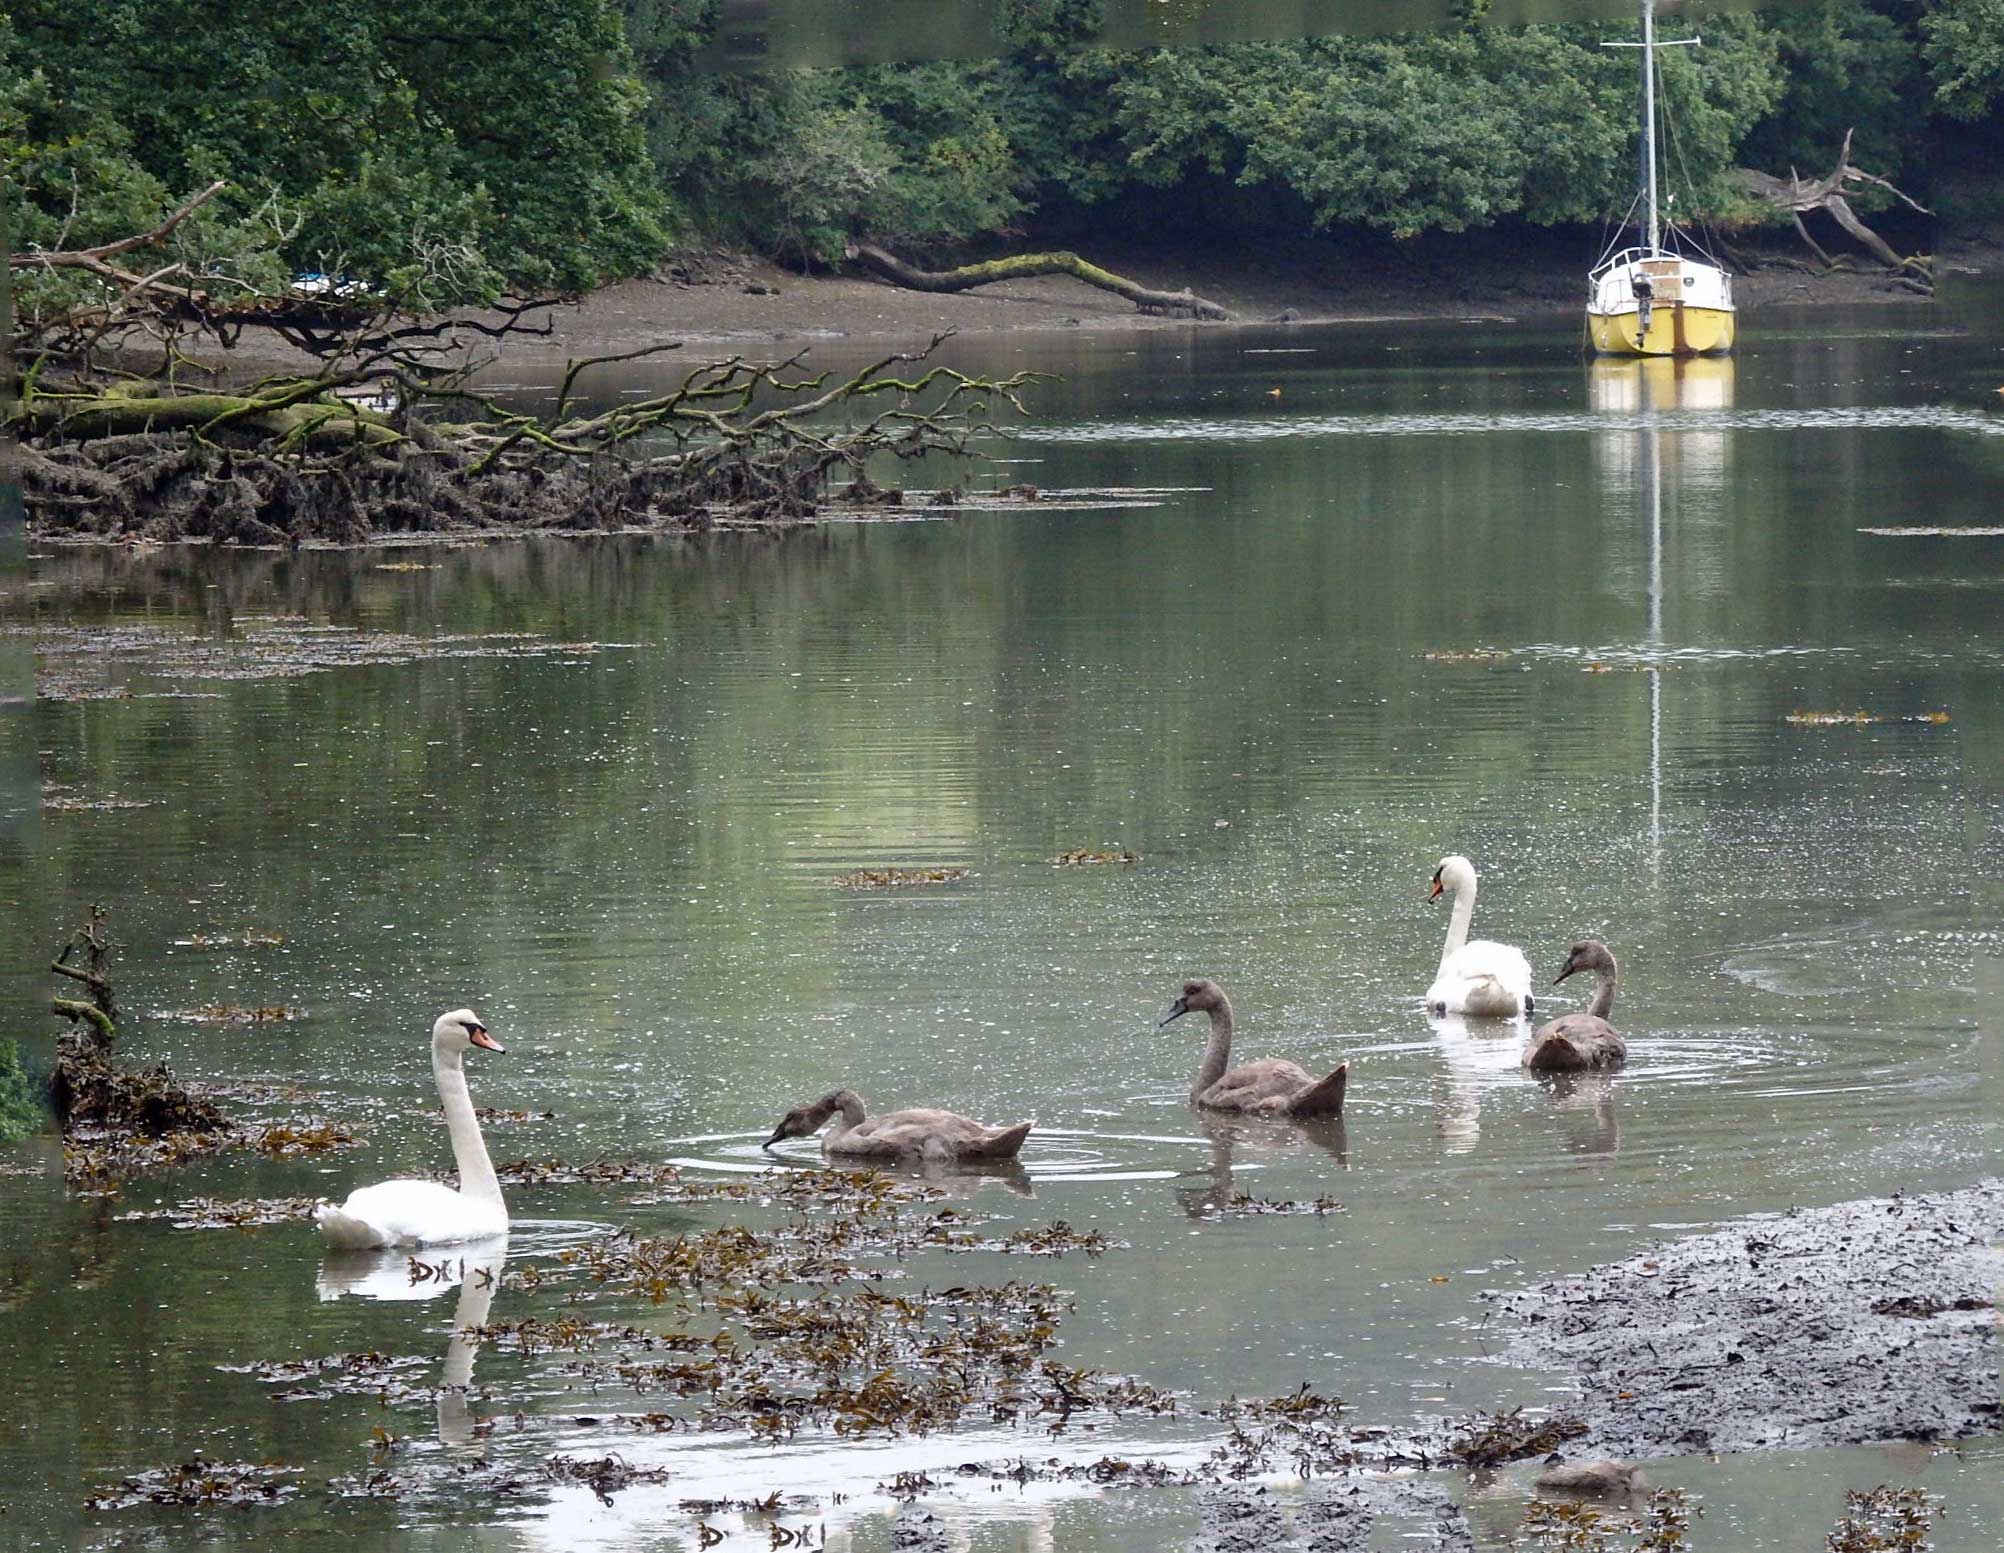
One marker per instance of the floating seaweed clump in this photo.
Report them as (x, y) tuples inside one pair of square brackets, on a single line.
[(218, 1213), (249, 938), (898, 878), (235, 1014), (288, 1140), (1884, 1520), (61, 800), (1473, 655), (1246, 1205), (604, 1476), (1490, 1439), (1080, 857), (1576, 1527), (1860, 719), (391, 1378), (200, 1483)]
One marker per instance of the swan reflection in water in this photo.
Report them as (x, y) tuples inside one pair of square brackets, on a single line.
[(1485, 1056), (476, 1270), (1204, 1193), (1478, 1053)]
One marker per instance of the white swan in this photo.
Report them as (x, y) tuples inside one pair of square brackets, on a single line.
[(426, 1213), (1480, 977)]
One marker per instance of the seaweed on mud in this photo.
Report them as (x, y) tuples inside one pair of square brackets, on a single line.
[(1299, 1405), (1490, 1439), (200, 1483), (898, 878)]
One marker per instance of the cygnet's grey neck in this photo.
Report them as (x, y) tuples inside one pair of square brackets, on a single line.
[(1218, 1051)]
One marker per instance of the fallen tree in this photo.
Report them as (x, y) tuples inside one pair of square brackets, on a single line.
[(1797, 195), (1022, 266), (124, 432)]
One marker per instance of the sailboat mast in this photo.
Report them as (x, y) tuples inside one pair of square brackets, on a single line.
[(1649, 113)]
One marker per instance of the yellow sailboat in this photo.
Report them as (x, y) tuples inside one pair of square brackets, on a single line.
[(1651, 300)]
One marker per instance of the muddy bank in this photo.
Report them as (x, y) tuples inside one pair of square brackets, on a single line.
[(1859, 1322), (1478, 277)]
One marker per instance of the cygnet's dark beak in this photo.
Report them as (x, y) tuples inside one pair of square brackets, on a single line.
[(777, 1134), (1176, 1011), (1571, 966)]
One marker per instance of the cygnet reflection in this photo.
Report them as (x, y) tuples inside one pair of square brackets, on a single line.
[(1214, 1190)]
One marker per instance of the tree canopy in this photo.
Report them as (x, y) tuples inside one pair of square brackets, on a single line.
[(550, 145)]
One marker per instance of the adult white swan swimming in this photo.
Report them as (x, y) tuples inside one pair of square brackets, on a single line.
[(1481, 977), (426, 1213)]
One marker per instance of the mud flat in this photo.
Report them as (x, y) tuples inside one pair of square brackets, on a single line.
[(1861, 1322)]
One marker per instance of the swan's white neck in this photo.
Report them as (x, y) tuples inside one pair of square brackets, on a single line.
[(1217, 1052), (1457, 924), (469, 1150)]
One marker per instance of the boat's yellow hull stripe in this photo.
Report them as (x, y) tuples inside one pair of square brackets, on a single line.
[(1674, 330)]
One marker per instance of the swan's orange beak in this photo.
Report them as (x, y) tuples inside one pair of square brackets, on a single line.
[(479, 1037), (1434, 893)]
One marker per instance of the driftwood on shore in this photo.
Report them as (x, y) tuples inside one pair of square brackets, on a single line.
[(1797, 195), (1022, 266), (125, 433)]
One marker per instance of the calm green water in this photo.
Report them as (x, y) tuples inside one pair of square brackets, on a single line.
[(625, 858)]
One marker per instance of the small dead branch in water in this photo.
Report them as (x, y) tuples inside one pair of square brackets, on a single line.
[(1473, 655), (898, 878), (200, 1484), (1490, 1439), (56, 800), (1081, 856)]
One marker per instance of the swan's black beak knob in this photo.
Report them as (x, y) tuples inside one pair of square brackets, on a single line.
[(1176, 1011)]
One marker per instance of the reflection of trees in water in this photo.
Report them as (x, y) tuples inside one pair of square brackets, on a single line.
[(1212, 1190)]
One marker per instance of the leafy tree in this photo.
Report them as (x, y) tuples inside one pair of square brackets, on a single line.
[(1964, 48)]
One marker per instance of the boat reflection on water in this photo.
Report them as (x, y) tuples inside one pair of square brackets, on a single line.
[(1682, 458)]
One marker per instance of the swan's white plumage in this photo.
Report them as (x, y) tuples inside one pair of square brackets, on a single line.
[(426, 1213), (408, 1213), (1476, 976)]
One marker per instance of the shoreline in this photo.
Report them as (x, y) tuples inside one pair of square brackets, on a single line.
[(712, 299)]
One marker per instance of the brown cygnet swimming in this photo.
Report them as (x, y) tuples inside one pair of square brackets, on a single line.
[(922, 1134), (1585, 1040), (1272, 1086)]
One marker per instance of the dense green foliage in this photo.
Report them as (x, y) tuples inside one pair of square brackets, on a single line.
[(1443, 131), (479, 145), (488, 143)]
